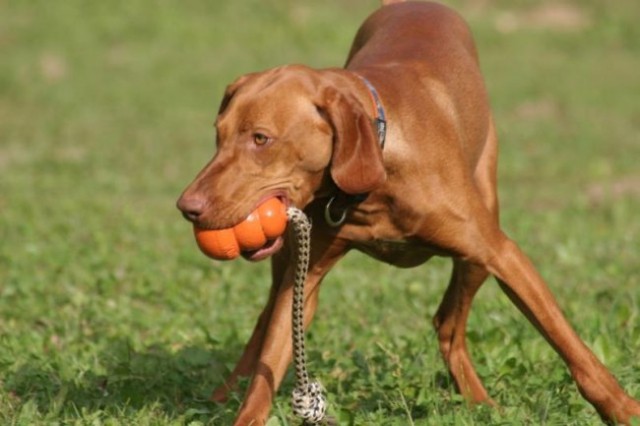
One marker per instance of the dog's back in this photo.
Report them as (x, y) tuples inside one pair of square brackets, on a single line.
[(422, 58), (410, 31)]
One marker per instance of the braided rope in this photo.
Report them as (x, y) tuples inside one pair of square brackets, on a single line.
[(308, 401)]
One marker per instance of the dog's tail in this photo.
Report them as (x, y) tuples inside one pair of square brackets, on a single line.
[(388, 2)]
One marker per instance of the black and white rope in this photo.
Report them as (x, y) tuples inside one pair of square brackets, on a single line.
[(308, 401)]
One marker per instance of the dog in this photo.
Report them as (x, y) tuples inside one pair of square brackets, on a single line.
[(393, 155)]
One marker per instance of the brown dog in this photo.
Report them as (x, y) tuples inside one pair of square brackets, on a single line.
[(309, 136)]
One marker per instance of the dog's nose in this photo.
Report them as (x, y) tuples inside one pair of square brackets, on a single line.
[(191, 207)]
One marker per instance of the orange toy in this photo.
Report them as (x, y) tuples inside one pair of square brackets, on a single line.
[(265, 223)]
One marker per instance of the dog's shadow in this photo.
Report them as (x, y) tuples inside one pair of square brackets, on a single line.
[(150, 383), (125, 383)]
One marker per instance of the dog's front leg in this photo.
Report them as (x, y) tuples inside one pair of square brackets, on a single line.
[(269, 351), (247, 363), (273, 354)]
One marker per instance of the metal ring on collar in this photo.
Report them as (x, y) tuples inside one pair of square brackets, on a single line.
[(329, 219)]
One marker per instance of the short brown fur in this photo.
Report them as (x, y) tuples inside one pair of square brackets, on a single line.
[(432, 191)]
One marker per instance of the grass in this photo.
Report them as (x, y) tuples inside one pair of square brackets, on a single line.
[(108, 313)]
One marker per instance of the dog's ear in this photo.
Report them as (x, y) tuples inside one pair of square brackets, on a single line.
[(231, 90), (356, 163)]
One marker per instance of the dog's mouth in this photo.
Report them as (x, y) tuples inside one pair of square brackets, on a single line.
[(255, 238), (270, 248)]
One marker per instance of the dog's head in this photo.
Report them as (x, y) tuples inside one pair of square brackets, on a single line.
[(290, 132)]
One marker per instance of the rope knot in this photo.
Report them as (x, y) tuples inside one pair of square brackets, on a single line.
[(309, 403)]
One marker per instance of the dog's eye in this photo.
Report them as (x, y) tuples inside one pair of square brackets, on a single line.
[(261, 139)]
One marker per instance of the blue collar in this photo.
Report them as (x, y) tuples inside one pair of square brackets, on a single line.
[(381, 120)]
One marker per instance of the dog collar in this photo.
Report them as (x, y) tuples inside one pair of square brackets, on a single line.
[(381, 120)]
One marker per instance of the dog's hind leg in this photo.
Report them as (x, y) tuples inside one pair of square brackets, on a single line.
[(450, 322), (524, 286)]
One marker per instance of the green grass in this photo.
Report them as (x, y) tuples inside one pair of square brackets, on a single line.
[(109, 314)]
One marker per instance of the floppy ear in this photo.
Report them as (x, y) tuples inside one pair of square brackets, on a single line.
[(356, 163), (231, 90)]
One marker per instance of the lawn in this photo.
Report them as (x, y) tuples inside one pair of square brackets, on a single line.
[(109, 315)]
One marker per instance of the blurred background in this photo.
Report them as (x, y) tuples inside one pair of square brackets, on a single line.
[(110, 315)]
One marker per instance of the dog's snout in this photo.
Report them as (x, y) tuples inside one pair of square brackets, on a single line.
[(191, 207)]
